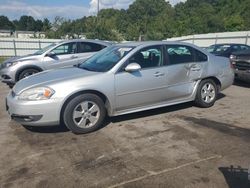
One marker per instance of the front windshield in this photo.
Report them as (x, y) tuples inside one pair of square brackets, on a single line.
[(106, 59), (43, 50)]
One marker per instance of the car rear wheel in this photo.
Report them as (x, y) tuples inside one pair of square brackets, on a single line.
[(84, 113), (206, 94), (27, 72)]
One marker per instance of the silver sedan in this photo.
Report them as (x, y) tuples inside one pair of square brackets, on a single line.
[(56, 55), (121, 79)]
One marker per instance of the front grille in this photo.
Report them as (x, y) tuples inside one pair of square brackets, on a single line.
[(241, 65), (26, 118), (6, 77)]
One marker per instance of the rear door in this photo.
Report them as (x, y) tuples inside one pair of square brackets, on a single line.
[(86, 49), (185, 68), (64, 56)]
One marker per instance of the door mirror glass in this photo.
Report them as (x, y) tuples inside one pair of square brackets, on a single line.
[(133, 67)]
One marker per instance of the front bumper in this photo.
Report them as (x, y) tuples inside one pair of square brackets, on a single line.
[(6, 77), (243, 75), (34, 113)]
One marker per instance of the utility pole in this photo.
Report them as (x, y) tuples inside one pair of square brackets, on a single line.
[(98, 6), (98, 9)]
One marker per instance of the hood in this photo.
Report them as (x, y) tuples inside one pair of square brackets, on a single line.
[(49, 77), (21, 58), (18, 58)]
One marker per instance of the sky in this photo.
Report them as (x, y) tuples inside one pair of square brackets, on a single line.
[(70, 9)]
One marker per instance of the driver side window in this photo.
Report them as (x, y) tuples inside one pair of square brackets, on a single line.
[(68, 48), (148, 57)]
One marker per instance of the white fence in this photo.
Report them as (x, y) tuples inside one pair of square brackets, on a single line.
[(205, 40), (18, 47)]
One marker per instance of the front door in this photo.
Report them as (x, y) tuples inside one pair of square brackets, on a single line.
[(63, 56), (144, 87)]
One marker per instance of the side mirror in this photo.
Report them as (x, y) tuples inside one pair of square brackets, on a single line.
[(50, 54), (133, 67)]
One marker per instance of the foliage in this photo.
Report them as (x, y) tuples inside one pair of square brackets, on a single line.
[(2, 59), (5, 23), (150, 19)]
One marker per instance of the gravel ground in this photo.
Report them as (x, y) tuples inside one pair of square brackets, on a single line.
[(178, 146)]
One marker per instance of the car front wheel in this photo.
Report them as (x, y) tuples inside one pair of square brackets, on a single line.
[(206, 94), (27, 72), (84, 113)]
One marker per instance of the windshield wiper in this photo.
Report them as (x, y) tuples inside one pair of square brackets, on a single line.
[(77, 65), (86, 68)]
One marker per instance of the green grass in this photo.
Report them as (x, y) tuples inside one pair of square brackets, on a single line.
[(2, 59)]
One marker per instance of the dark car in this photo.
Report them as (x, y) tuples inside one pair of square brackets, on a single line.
[(241, 62), (226, 50)]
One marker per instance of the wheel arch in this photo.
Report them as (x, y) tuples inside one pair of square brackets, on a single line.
[(95, 92), (216, 80), (26, 67)]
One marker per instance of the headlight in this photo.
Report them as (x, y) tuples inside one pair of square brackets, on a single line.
[(35, 94), (9, 64), (233, 57)]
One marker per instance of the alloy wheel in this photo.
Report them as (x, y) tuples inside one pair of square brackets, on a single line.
[(86, 114)]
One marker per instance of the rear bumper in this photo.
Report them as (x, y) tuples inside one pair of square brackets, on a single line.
[(227, 79)]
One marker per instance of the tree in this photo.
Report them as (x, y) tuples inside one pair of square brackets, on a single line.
[(5, 23), (46, 25), (152, 19)]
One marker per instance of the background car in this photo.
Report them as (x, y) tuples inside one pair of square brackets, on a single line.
[(227, 49), (56, 55), (241, 64), (120, 79)]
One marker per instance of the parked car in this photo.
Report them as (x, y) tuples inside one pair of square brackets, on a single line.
[(241, 63), (121, 79), (226, 50), (56, 55)]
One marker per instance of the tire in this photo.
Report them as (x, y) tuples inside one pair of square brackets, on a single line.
[(27, 72), (78, 117), (207, 93), (11, 86)]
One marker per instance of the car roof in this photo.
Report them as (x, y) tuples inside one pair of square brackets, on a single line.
[(146, 43), (106, 43), (228, 44)]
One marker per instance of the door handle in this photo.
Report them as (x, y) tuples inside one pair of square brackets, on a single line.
[(158, 74)]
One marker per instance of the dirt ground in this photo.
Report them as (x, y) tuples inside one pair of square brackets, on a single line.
[(178, 146)]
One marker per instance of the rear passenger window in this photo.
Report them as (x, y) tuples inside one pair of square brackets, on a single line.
[(199, 56), (84, 47), (184, 54), (179, 54)]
